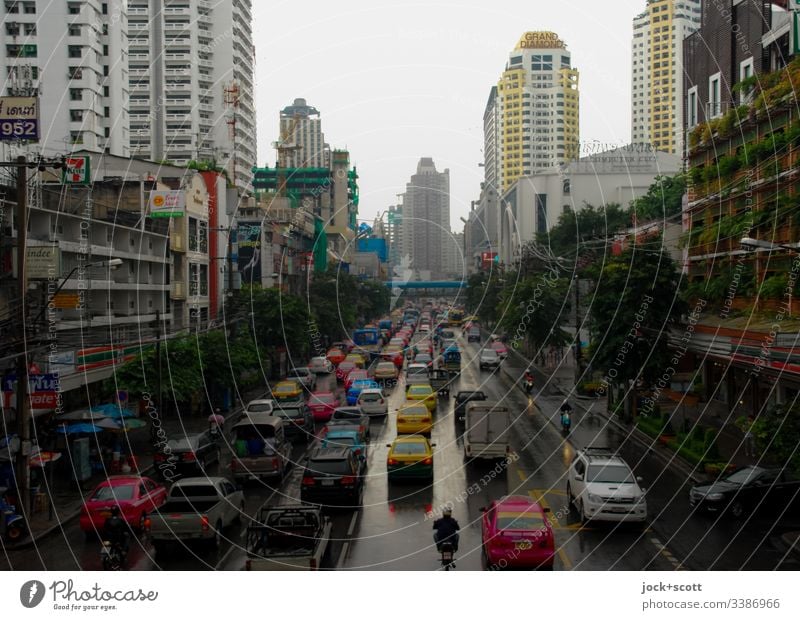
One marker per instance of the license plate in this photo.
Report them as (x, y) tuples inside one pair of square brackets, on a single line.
[(327, 483), (619, 509), (523, 545), (105, 513)]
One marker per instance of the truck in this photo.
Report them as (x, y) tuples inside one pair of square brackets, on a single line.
[(260, 448), (486, 433), (197, 509), (367, 342), (292, 537)]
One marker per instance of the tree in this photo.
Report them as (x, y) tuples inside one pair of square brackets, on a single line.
[(584, 225), (332, 303), (663, 199), (777, 435)]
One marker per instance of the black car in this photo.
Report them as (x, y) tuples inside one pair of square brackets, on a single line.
[(333, 477), (300, 420), (748, 490), (190, 455), (354, 416), (464, 397)]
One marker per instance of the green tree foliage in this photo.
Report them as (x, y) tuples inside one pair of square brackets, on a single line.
[(483, 295), (584, 225), (777, 434), (662, 200), (635, 303)]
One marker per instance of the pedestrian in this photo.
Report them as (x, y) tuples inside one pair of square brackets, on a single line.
[(749, 438)]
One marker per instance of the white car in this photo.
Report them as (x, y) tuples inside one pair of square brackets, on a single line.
[(373, 402), (602, 487), (489, 359), (260, 405), (304, 376), (424, 328), (320, 365)]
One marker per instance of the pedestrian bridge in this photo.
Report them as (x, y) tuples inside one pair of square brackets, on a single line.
[(426, 284)]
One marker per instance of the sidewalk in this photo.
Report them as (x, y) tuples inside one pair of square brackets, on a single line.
[(66, 496)]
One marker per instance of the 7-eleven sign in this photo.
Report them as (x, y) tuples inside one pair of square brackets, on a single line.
[(76, 170)]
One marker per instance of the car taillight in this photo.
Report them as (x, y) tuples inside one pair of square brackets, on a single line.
[(308, 480), (348, 480), (189, 456), (275, 463), (204, 523), (147, 524), (428, 461), (402, 420), (381, 401), (159, 458), (392, 462)]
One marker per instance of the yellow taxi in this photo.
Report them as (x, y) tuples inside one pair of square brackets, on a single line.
[(357, 359), (422, 392), (410, 456), (287, 391), (413, 418)]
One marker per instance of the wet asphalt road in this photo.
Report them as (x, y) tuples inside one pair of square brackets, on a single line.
[(393, 531)]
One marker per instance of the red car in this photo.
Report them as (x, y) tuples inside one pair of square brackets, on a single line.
[(516, 533), (355, 375), (502, 349), (343, 369), (136, 497), (322, 405), (396, 356), (335, 356)]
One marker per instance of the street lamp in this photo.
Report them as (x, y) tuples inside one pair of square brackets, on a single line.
[(750, 242)]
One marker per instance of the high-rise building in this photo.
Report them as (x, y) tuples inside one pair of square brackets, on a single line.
[(73, 55), (394, 234), (657, 72), (426, 218), (191, 83), (302, 138), (537, 99), (491, 143)]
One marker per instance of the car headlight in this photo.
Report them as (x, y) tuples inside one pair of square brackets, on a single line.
[(714, 497), (595, 499), (640, 499)]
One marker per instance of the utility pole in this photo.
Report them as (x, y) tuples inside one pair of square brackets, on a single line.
[(23, 409), (577, 328), (158, 361)]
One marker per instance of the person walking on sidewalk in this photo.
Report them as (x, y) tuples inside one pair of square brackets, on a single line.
[(749, 438)]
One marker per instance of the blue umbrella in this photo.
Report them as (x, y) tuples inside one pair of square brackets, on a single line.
[(113, 411), (75, 429)]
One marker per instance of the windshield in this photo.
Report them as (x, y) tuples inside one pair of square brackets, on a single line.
[(609, 474), (385, 367), (337, 467), (370, 397), (409, 447), (119, 493), (743, 476), (340, 442), (419, 390), (286, 389), (520, 521), (322, 398), (260, 407)]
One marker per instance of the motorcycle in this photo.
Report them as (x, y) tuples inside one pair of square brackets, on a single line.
[(566, 423), (528, 386), (12, 525), (112, 556), (447, 550)]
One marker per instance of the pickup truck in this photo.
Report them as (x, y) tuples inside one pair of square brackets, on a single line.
[(197, 509), (293, 537)]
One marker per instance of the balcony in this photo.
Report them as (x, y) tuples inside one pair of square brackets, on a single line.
[(178, 289)]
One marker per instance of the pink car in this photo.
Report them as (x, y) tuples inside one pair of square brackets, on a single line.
[(355, 375), (343, 369), (322, 405), (516, 533), (502, 350), (136, 497)]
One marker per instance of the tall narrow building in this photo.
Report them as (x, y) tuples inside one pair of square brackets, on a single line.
[(191, 82), (302, 137), (537, 99), (426, 219), (73, 55), (657, 72)]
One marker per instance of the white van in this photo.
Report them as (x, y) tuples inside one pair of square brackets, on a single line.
[(486, 430)]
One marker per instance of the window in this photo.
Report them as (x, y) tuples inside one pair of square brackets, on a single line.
[(12, 29), (714, 103), (105, 69), (691, 106), (106, 91), (106, 111), (74, 30), (30, 28), (105, 50), (566, 186), (75, 94), (746, 72), (76, 115), (12, 7)]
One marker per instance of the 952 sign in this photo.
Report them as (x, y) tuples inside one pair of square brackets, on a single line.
[(19, 118)]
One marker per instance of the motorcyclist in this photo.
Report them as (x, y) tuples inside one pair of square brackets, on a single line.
[(528, 380), (446, 529), (115, 531), (566, 411)]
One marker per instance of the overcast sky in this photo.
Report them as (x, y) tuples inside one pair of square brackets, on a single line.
[(398, 81)]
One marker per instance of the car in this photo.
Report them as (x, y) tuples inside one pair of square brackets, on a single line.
[(516, 533), (289, 390), (473, 333), (385, 372), (356, 387), (357, 374), (344, 369), (343, 345), (424, 328), (461, 400), (259, 405), (373, 402), (357, 359), (413, 417), (335, 356), (748, 490), (352, 416), (410, 456), (320, 365), (422, 392), (332, 477), (189, 455), (488, 358), (136, 496), (502, 349), (304, 376), (602, 487), (299, 420), (343, 437), (417, 373), (322, 405), (423, 358), (394, 354)]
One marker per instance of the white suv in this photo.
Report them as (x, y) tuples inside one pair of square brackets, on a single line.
[(373, 402), (602, 486)]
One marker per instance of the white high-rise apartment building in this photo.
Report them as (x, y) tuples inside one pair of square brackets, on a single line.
[(426, 220), (191, 83), (657, 72), (537, 108), (301, 128), (491, 143), (73, 54)]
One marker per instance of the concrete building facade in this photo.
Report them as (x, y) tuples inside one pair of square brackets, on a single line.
[(301, 130)]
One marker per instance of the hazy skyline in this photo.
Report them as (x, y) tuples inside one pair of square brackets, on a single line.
[(398, 81)]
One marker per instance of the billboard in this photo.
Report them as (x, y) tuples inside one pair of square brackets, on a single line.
[(248, 240), (167, 203), (76, 170), (19, 118), (42, 262)]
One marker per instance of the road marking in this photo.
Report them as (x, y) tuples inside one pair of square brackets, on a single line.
[(346, 545), (666, 553), (562, 555)]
